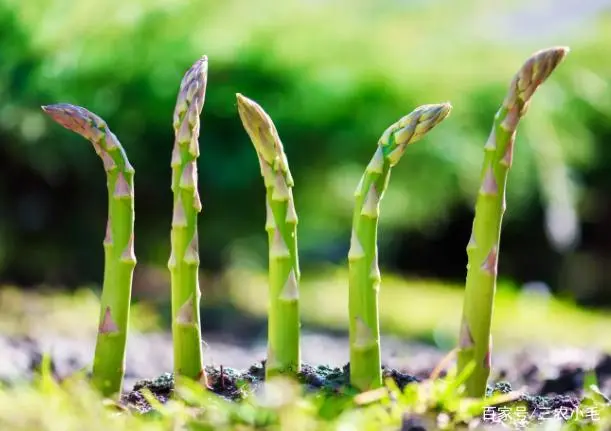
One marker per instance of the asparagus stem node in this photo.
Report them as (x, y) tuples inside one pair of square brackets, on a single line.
[(475, 341), (283, 355), (120, 259), (184, 257), (364, 273)]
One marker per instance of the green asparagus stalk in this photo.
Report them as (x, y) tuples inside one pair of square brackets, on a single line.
[(364, 274), (475, 341), (283, 352), (184, 258), (120, 260)]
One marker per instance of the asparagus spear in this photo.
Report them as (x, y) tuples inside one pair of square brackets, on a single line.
[(120, 260), (283, 352), (364, 274), (475, 341), (184, 258)]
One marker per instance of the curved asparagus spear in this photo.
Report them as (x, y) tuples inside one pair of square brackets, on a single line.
[(475, 342), (120, 260), (364, 274), (184, 258), (283, 354)]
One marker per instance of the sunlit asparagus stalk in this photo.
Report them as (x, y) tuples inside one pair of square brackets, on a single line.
[(120, 260), (475, 341), (364, 274), (184, 258), (283, 352)]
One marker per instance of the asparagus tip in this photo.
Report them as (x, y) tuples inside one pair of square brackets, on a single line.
[(77, 119), (420, 121), (247, 108), (191, 95), (411, 128), (436, 112), (197, 70), (535, 70), (259, 127)]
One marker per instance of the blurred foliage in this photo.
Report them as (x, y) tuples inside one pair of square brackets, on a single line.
[(415, 309), (430, 311), (73, 315), (333, 76)]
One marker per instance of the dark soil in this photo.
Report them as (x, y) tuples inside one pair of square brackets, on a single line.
[(235, 385)]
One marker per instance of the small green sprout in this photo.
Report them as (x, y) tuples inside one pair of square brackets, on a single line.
[(120, 259), (283, 353), (364, 273), (184, 257), (475, 340)]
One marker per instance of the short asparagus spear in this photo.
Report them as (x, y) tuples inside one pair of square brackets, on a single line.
[(364, 274), (283, 353), (475, 341), (184, 257), (120, 260)]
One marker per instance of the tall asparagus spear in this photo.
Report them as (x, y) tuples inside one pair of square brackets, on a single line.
[(364, 274), (120, 260), (184, 258), (283, 352), (475, 341)]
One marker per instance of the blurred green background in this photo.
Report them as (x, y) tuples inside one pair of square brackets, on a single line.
[(333, 75)]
